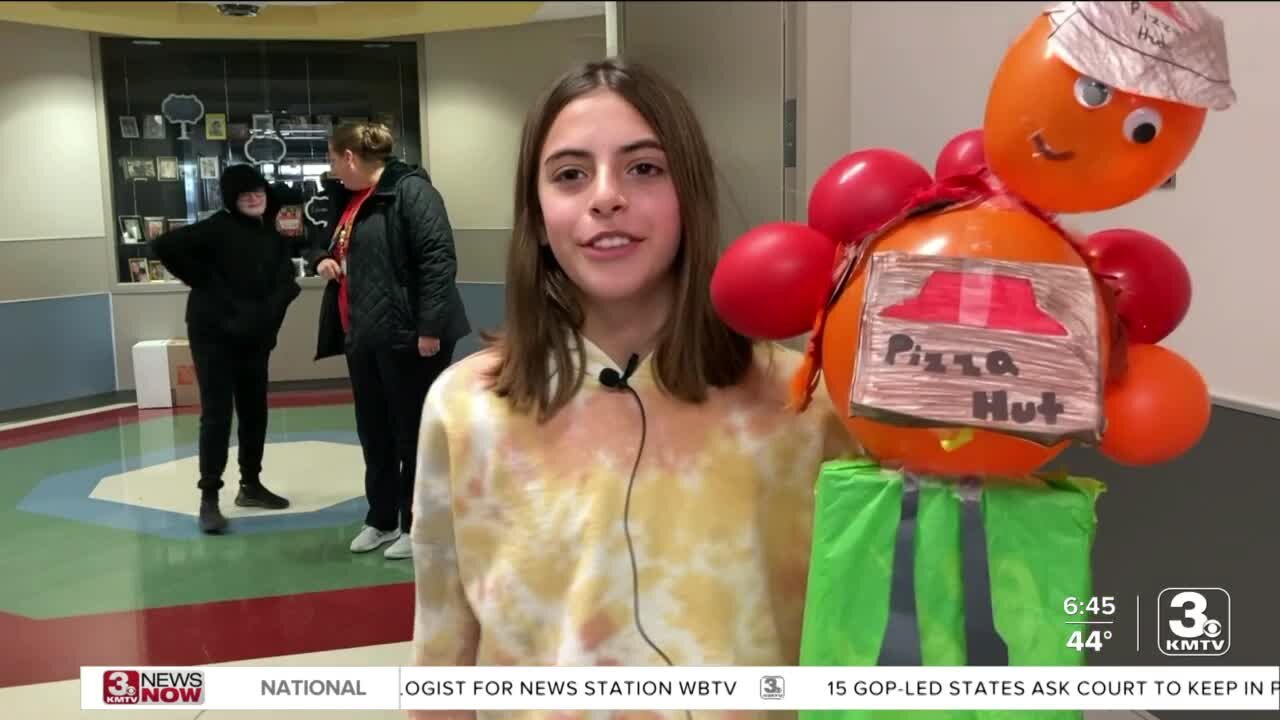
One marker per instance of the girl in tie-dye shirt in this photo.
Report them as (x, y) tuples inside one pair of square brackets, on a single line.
[(527, 516)]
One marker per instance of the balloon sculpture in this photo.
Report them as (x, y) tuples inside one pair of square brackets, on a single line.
[(967, 339), (1091, 109)]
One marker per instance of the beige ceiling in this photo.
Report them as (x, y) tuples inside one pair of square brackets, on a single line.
[(288, 20)]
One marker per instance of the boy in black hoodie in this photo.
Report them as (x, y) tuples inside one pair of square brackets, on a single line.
[(242, 282)]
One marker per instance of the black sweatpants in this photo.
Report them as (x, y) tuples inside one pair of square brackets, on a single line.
[(388, 389), (231, 378)]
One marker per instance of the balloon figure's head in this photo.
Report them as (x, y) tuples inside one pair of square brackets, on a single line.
[(1098, 103)]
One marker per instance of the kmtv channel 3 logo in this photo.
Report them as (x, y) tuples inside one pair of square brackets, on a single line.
[(1195, 622), (132, 687)]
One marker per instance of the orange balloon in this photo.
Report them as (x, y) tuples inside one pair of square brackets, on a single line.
[(985, 231), (1068, 143), (1157, 411)]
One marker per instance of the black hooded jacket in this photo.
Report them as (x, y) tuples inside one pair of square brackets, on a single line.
[(241, 276), (401, 266)]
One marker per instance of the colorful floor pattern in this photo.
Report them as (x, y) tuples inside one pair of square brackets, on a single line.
[(104, 564)]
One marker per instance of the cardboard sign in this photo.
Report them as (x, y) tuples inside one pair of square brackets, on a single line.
[(965, 342)]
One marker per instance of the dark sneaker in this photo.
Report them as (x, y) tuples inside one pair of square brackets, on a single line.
[(260, 497), (211, 519)]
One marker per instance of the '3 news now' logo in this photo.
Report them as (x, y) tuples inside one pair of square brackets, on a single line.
[(131, 687)]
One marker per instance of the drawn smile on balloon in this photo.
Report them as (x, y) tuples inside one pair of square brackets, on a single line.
[(1044, 150)]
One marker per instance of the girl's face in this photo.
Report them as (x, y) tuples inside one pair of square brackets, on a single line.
[(252, 203), (608, 201)]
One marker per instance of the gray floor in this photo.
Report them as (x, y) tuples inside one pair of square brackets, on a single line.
[(128, 396)]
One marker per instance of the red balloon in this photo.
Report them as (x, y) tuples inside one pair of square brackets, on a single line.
[(772, 281), (962, 155), (1154, 286), (862, 191), (1158, 411)]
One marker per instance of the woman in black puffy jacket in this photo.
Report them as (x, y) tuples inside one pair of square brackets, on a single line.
[(393, 308), (242, 282)]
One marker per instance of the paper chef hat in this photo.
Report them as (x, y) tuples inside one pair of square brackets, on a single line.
[(1175, 51)]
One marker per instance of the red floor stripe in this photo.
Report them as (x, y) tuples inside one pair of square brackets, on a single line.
[(94, 422), (40, 651)]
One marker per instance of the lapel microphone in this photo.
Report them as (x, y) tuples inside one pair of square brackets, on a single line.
[(610, 378)]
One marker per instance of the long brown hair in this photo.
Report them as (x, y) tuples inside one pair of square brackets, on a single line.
[(544, 318)]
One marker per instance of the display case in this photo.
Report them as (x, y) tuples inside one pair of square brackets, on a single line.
[(180, 111)]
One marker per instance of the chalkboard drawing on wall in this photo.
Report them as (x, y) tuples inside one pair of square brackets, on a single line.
[(265, 148), (183, 111), (963, 342)]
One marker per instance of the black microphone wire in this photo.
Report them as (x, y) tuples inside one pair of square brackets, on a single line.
[(626, 529), (611, 379)]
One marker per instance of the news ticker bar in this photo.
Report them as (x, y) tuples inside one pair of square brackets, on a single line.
[(682, 688)]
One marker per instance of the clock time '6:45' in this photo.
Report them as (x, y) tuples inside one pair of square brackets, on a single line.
[(1091, 606)]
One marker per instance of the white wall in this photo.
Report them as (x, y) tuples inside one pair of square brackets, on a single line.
[(51, 241), (824, 84), (920, 74), (479, 86), (729, 59), (48, 135)]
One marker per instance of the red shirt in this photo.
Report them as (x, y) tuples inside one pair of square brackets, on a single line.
[(343, 234)]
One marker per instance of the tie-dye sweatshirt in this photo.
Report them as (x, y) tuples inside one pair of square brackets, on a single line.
[(519, 546)]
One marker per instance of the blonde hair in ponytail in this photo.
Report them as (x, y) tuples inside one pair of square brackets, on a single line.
[(371, 142)]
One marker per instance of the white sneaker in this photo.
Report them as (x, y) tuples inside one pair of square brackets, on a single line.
[(400, 549), (371, 538)]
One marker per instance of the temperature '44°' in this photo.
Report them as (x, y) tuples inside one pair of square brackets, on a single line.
[(1092, 616), (1091, 639)]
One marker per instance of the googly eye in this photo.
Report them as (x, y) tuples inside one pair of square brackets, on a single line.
[(1142, 125), (1091, 93)]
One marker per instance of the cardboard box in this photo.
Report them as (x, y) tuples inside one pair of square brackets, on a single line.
[(164, 374)]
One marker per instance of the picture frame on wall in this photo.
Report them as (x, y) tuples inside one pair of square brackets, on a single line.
[(263, 123), (175, 223), (155, 271), (215, 126), (138, 271), (136, 168), (167, 168), (153, 227), (238, 131), (130, 229), (153, 127), (128, 127), (208, 168), (289, 221)]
